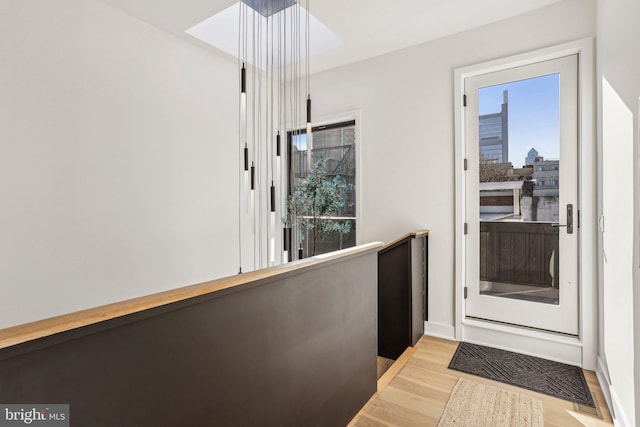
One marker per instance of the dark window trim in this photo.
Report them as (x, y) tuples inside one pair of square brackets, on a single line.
[(289, 154), (323, 127)]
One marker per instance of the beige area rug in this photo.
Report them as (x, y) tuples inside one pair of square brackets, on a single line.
[(475, 404)]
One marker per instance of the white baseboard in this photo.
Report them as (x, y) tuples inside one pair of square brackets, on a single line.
[(620, 418), (440, 330), (549, 346), (603, 378)]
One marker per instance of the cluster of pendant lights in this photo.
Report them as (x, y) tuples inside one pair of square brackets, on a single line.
[(271, 49)]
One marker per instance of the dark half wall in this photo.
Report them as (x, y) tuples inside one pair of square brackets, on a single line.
[(296, 349)]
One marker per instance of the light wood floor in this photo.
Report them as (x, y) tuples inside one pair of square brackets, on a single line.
[(383, 365), (415, 391)]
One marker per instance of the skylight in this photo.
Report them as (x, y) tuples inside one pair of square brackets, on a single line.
[(221, 31)]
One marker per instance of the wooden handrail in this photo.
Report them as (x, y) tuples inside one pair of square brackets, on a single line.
[(30, 331), (410, 235)]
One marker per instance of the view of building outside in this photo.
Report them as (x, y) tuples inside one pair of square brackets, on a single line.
[(531, 157), (519, 122), (335, 144), (494, 134), (519, 144)]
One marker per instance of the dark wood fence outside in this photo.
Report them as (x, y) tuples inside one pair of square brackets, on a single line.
[(518, 253)]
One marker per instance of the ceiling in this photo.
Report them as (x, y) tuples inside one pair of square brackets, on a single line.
[(367, 28)]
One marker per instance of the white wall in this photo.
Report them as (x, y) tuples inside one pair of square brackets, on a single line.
[(115, 141), (407, 141), (618, 66), (617, 245)]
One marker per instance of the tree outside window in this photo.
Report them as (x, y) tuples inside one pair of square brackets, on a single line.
[(333, 149)]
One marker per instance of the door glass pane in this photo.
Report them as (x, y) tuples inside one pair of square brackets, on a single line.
[(519, 164)]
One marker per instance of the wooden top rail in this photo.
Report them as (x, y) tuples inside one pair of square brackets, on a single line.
[(42, 328), (410, 235)]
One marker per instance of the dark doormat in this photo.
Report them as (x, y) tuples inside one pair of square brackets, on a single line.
[(533, 373)]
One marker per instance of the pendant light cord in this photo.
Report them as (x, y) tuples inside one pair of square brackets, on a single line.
[(270, 119), (308, 53), (240, 148)]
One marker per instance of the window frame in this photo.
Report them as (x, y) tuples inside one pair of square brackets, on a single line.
[(329, 123)]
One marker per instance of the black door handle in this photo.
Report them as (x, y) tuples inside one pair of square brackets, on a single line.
[(569, 223)]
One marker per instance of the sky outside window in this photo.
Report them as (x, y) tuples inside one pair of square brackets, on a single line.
[(534, 115)]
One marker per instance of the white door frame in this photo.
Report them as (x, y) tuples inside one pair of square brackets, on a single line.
[(561, 317), (582, 350)]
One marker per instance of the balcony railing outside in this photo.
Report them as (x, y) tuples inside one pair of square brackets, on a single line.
[(520, 253)]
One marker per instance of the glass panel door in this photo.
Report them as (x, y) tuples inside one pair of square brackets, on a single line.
[(521, 188)]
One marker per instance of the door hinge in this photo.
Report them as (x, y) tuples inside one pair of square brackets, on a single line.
[(464, 100), (578, 218), (465, 164), (465, 228), (465, 292)]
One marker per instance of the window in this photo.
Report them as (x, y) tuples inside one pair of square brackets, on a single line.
[(541, 169), (335, 143)]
